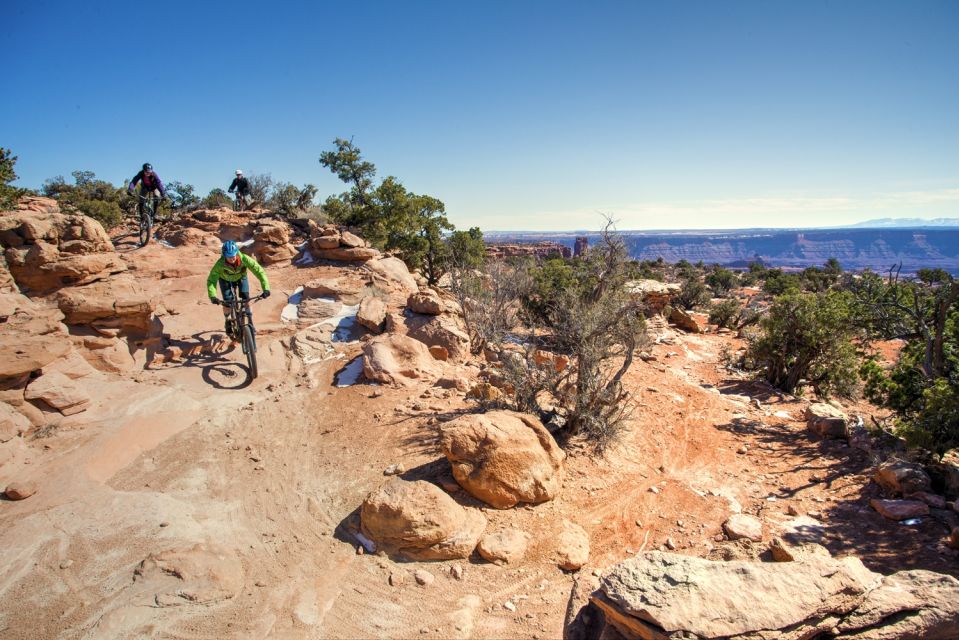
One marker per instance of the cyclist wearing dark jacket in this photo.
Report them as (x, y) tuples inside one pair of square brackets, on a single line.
[(242, 187), (149, 183)]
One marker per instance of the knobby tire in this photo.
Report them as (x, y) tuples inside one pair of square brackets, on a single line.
[(249, 348)]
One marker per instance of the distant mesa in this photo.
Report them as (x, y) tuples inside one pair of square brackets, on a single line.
[(541, 249)]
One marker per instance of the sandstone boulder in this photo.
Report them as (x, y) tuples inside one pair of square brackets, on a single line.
[(417, 520), (346, 254), (504, 457), (273, 254), (688, 321), (347, 287), (372, 314), (572, 546), (119, 303), (33, 336), (58, 391), (660, 595), (826, 421), (322, 243), (20, 490), (504, 547), (426, 301), (46, 251), (398, 360), (899, 477), (740, 526), (351, 240), (12, 422), (485, 392), (272, 232), (440, 331), (390, 274), (899, 509), (654, 295)]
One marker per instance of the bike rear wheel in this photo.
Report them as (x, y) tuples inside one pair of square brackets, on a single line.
[(249, 348)]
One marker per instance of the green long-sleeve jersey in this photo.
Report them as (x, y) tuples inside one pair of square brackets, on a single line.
[(222, 270)]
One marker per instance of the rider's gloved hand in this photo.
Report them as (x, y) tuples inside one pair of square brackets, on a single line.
[(214, 300), (266, 294)]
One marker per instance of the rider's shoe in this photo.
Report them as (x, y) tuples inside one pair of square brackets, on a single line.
[(229, 328)]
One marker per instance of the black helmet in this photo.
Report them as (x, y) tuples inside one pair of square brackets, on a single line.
[(147, 166)]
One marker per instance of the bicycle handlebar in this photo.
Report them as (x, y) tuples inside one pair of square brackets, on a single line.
[(230, 304)]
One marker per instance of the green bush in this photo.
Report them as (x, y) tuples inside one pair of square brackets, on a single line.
[(725, 313), (692, 294), (8, 193), (92, 197), (807, 339)]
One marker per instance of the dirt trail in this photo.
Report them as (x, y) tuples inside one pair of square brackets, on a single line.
[(272, 473)]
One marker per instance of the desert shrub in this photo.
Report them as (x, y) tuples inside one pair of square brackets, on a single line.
[(776, 283), (91, 196), (806, 339), (721, 280), (216, 199), (692, 294), (923, 386), (182, 196), (8, 193), (289, 200), (724, 313), (261, 186)]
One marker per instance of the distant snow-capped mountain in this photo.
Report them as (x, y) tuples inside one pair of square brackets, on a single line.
[(908, 222)]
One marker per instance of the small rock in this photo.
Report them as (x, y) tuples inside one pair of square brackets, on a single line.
[(457, 572), (572, 546), (671, 544), (164, 524), (397, 578), (20, 490), (394, 469), (423, 577), (66, 564), (793, 511), (779, 551), (744, 526), (742, 449), (954, 538), (899, 509), (259, 583), (509, 606), (654, 489)]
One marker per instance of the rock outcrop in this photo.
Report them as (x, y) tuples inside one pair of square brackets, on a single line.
[(661, 595), (398, 360), (899, 478), (440, 331), (826, 421), (271, 242), (417, 520), (330, 243), (48, 250), (119, 304), (427, 302), (33, 336), (654, 295), (504, 458)]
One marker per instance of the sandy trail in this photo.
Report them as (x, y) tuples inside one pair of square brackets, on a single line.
[(272, 473)]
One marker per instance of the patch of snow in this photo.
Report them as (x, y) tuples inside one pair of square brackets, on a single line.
[(345, 327), (305, 258), (350, 374), (166, 244), (244, 243), (290, 312)]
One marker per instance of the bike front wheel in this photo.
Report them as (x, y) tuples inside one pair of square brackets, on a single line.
[(249, 348), (146, 226)]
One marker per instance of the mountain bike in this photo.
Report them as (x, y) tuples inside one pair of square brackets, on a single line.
[(241, 321), (240, 202), (147, 210)]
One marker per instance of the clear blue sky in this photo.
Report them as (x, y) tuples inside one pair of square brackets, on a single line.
[(518, 115)]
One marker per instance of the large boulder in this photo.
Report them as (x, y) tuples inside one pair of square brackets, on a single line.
[(391, 274), (33, 336), (119, 303), (899, 477), (440, 331), (398, 360), (346, 287), (426, 301), (661, 595), (654, 295), (900, 509), (826, 421), (58, 391), (417, 520), (372, 314), (688, 321), (346, 254), (46, 251), (504, 458)]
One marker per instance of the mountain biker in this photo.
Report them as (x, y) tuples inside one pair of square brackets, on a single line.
[(242, 187), (149, 183), (231, 268)]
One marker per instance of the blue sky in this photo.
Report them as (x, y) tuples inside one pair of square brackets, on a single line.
[(518, 115)]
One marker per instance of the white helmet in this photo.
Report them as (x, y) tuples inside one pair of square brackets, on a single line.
[(239, 172)]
